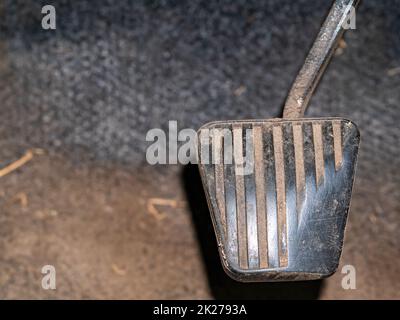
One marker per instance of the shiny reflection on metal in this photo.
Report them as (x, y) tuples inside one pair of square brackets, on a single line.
[(277, 227)]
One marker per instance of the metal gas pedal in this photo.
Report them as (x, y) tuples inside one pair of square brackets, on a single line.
[(279, 190), (279, 193)]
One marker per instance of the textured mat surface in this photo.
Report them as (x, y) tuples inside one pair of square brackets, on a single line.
[(91, 89)]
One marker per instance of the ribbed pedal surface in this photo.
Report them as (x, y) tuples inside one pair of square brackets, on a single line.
[(279, 193)]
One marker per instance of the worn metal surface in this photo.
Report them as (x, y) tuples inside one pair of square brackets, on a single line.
[(286, 195), (270, 221), (318, 58)]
